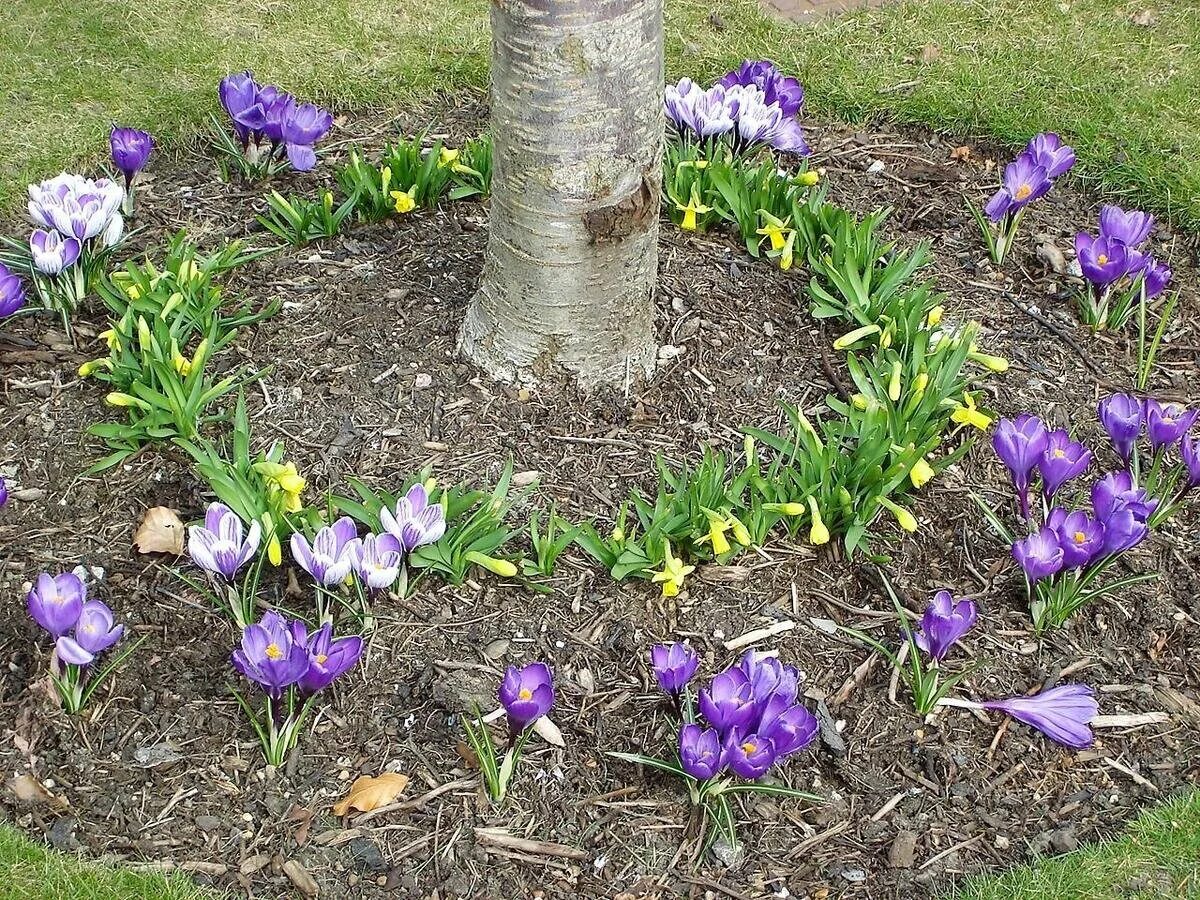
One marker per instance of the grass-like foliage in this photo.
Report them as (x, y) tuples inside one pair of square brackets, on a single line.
[(299, 221)]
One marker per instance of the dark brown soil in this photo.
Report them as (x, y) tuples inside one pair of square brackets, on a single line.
[(163, 771)]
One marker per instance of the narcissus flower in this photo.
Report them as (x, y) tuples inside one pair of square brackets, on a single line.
[(503, 567), (904, 518), (818, 534), (406, 201), (691, 210), (921, 473), (673, 572)]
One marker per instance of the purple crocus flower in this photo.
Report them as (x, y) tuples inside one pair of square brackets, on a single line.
[(1039, 554), (1061, 713), (749, 756), (56, 602), (78, 207), (52, 253), (691, 108), (3, 492), (700, 751), (416, 521), (1049, 152), (1189, 450), (326, 559), (526, 694), (1123, 530), (789, 728), (759, 122), (945, 621), (728, 702), (1020, 444), (1080, 536), (376, 559), (674, 665), (277, 106), (1166, 423), (1115, 492), (270, 656), (1128, 228), (777, 88), (130, 151), (1122, 417), (1063, 460), (303, 125), (239, 96), (328, 659), (1024, 181), (1156, 276), (94, 633), (12, 293), (769, 677), (1102, 260), (218, 546)]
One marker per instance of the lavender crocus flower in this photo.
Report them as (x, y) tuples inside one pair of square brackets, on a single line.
[(1061, 713), (1102, 260), (277, 106), (945, 621), (691, 108), (1128, 228), (303, 126), (769, 679), (376, 559), (239, 96), (416, 521), (1049, 152), (56, 602), (1020, 444), (674, 665), (526, 694), (728, 702), (1156, 276), (1122, 417), (130, 150), (52, 253), (1062, 460), (1024, 181), (218, 546), (1115, 492), (328, 659), (12, 293), (270, 656), (1166, 423), (759, 122), (700, 752), (776, 87), (1080, 537), (3, 492), (1189, 450), (789, 728), (94, 633), (326, 559), (78, 207), (749, 756), (1039, 554)]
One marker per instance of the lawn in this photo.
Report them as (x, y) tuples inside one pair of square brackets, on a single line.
[(1122, 91)]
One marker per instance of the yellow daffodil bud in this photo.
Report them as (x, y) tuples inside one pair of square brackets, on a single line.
[(93, 364), (935, 316), (110, 338), (885, 339), (116, 398), (921, 382), (921, 473), (199, 356), (181, 363), (741, 533), (188, 270), (894, 383), (143, 333), (618, 534), (133, 292), (859, 401), (385, 179), (748, 450), (274, 551), (786, 509), (997, 364), (787, 255), (171, 305), (818, 534), (501, 567), (327, 201), (447, 156), (904, 518), (853, 337), (405, 200), (808, 179)]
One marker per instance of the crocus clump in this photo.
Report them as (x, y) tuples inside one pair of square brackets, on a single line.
[(291, 666), (82, 629), (751, 106), (267, 119), (12, 292), (1118, 272), (1064, 550), (526, 694), (130, 150), (1027, 178)]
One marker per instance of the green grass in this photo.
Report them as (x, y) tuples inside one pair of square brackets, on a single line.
[(1157, 858), (33, 873), (1123, 94)]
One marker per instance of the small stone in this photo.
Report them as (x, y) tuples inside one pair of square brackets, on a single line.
[(299, 876), (496, 649), (210, 824), (1064, 840), (904, 850), (396, 294), (875, 167), (422, 381), (366, 856)]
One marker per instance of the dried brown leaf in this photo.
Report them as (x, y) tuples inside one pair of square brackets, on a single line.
[(28, 791), (371, 792), (161, 531), (962, 153)]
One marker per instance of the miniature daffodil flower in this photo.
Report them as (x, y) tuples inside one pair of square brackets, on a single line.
[(93, 364), (818, 534), (741, 533), (693, 208), (853, 337), (502, 567), (809, 178), (904, 518), (717, 526), (672, 574), (406, 201), (182, 364), (935, 316), (968, 414), (787, 255), (448, 156), (997, 364), (894, 383), (110, 338), (921, 473), (775, 229)]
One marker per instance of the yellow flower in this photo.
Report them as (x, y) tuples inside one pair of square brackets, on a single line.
[(385, 179), (501, 567), (786, 509), (118, 399), (968, 414), (692, 164), (181, 363), (853, 337), (748, 450), (819, 534), (133, 291), (405, 200), (775, 229), (92, 365), (693, 208), (885, 339), (717, 526), (447, 157), (617, 534), (859, 401), (787, 255), (921, 473), (808, 179), (283, 476), (327, 202), (808, 426), (935, 316), (920, 383), (904, 518), (143, 332), (672, 574), (199, 356), (274, 551), (110, 337), (997, 364), (894, 384), (741, 533)]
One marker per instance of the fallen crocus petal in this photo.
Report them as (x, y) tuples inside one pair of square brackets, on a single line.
[(1062, 713)]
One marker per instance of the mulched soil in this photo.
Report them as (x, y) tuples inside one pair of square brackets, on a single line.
[(364, 381)]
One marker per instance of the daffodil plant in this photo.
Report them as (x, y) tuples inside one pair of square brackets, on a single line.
[(687, 183), (300, 222), (767, 206), (471, 172)]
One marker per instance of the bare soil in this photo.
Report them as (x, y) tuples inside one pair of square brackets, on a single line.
[(364, 381)]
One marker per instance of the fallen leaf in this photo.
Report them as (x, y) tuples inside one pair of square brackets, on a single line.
[(467, 754), (368, 793), (299, 876), (549, 732), (1048, 253), (930, 53), (28, 791), (962, 153), (161, 531), (303, 817)]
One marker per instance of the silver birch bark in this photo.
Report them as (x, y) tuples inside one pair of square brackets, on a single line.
[(572, 255)]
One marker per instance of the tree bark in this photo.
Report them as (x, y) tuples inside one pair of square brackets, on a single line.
[(577, 130)]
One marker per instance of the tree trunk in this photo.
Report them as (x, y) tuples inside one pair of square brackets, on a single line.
[(572, 254)]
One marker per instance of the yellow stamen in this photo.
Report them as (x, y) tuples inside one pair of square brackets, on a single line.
[(273, 651), (524, 694)]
